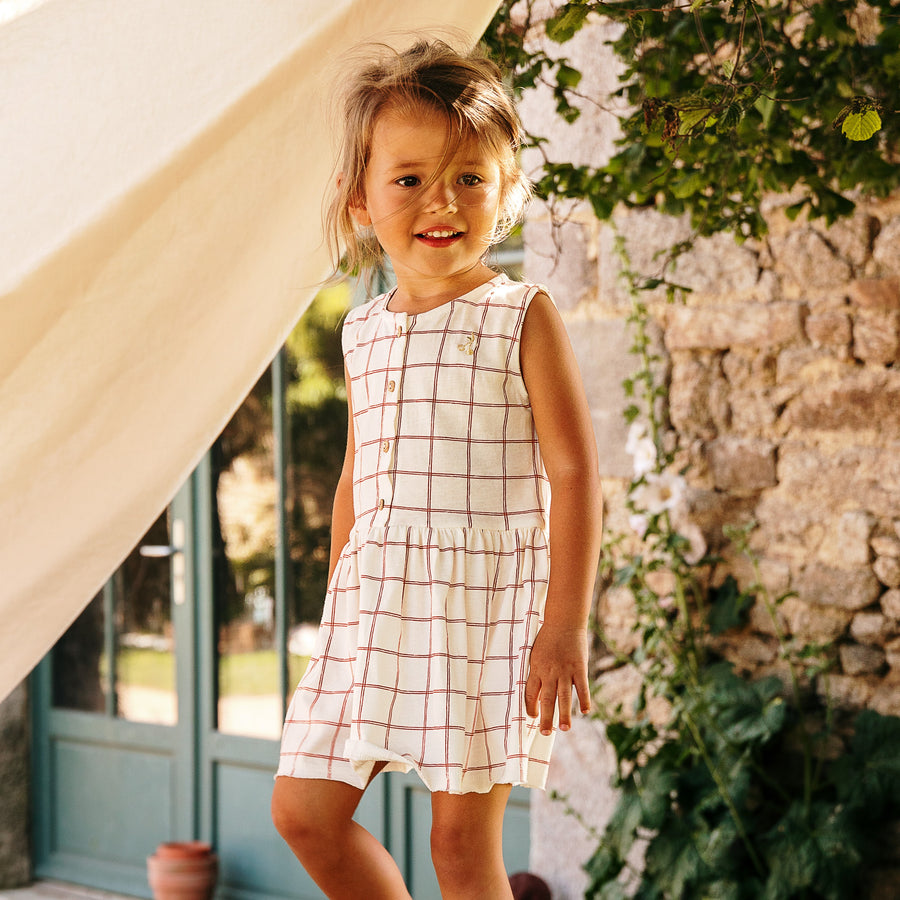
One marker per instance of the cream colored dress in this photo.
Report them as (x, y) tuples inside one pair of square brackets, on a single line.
[(422, 654)]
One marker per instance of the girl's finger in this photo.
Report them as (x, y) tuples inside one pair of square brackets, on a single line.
[(548, 705), (565, 705), (532, 693), (584, 695)]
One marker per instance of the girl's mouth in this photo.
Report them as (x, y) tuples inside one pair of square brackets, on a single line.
[(439, 237)]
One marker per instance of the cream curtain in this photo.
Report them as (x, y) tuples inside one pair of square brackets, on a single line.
[(161, 171)]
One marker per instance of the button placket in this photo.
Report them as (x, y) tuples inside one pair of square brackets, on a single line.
[(390, 417)]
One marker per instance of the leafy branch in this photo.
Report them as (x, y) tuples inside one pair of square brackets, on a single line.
[(728, 101)]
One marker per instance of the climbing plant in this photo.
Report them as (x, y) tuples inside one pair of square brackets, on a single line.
[(726, 101)]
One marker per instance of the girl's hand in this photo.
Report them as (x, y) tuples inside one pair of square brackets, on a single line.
[(558, 660)]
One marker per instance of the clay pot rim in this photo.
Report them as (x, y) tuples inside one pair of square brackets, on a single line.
[(183, 849)]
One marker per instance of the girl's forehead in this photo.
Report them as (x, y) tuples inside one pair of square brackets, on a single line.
[(420, 134)]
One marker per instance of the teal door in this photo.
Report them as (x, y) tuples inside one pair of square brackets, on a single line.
[(157, 716)]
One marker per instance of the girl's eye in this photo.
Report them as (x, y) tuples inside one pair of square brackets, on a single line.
[(471, 180), (408, 181)]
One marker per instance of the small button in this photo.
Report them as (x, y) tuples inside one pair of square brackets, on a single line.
[(392, 386), (399, 331), (386, 446), (381, 504)]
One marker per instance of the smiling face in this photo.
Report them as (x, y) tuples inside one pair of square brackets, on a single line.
[(433, 206)]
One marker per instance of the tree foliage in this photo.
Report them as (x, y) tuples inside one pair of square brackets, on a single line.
[(728, 101)]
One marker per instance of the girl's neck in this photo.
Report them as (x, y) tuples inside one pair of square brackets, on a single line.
[(412, 296)]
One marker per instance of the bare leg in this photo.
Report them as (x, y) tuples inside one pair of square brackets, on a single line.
[(467, 845), (315, 817)]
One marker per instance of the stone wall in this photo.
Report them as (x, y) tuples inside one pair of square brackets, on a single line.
[(15, 863), (784, 391), (783, 368)]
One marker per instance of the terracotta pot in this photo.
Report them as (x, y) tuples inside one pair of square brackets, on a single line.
[(182, 871)]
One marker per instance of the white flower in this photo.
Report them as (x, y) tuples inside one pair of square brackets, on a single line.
[(642, 448), (660, 491), (636, 433), (638, 524)]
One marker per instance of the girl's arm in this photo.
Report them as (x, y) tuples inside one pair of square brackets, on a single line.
[(342, 516), (566, 436)]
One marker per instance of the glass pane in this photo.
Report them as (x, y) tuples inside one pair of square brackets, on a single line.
[(243, 528), (145, 645), (316, 404), (80, 666)]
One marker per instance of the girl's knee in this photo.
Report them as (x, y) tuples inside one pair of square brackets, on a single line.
[(304, 823), (291, 819), (459, 843)]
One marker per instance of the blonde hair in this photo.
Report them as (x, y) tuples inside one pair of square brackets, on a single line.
[(466, 88)]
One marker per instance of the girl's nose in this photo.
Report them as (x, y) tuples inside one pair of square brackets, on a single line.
[(442, 197)]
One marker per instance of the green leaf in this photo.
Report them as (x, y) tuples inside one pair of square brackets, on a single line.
[(636, 25), (689, 185), (765, 106), (729, 606), (567, 77), (691, 117), (569, 20), (861, 126)]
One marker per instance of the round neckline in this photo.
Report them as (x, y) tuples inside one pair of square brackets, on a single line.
[(491, 282)]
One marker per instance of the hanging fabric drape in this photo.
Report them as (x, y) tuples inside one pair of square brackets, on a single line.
[(161, 172)]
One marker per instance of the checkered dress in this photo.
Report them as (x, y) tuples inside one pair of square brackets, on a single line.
[(422, 655)]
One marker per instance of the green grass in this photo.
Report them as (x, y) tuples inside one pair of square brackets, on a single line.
[(253, 673)]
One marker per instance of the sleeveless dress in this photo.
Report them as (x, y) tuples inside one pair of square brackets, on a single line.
[(422, 654)]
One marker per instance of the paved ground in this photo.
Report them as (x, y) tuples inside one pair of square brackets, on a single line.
[(57, 890)]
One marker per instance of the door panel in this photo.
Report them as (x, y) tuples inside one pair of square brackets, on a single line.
[(110, 765), (134, 786)]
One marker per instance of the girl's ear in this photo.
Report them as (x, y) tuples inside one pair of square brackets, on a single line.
[(360, 215), (357, 206)]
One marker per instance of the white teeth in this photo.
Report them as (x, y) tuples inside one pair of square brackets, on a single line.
[(439, 234)]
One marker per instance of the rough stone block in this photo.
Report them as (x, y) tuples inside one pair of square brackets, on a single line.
[(558, 257), (886, 545), (876, 337), (718, 266), (875, 293), (851, 237), (892, 654), (871, 627), (812, 623), (885, 252), (860, 659), (890, 603), (618, 615), (848, 692), (15, 863), (886, 700), (741, 324), (748, 652), (848, 589), (808, 260), (863, 400), (846, 542), (742, 465), (887, 570), (698, 396), (830, 328), (602, 350)]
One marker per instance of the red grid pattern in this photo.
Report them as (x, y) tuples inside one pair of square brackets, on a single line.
[(422, 655)]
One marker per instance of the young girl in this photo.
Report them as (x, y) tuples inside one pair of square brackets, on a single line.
[(449, 644)]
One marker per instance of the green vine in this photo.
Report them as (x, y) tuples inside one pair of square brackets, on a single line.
[(738, 789), (728, 101)]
